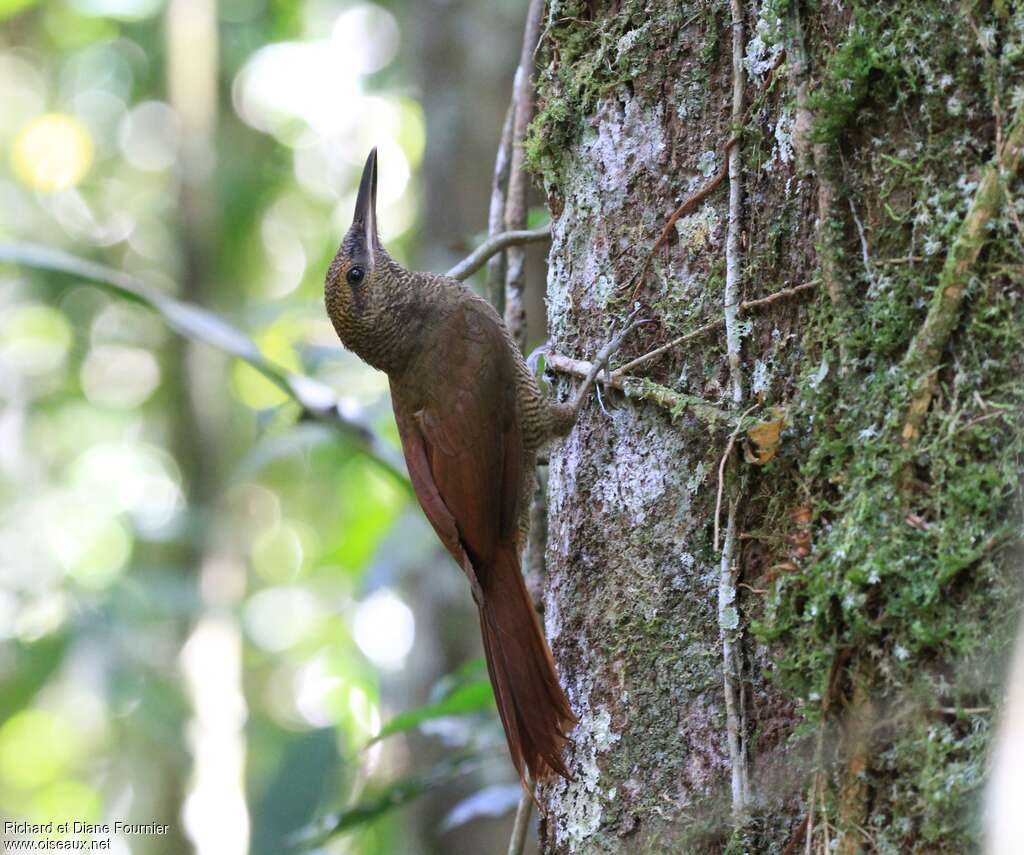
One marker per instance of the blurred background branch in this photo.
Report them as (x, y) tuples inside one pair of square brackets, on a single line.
[(316, 399), (216, 595)]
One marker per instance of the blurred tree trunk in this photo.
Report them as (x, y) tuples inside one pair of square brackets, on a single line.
[(211, 641), (819, 655), (463, 64)]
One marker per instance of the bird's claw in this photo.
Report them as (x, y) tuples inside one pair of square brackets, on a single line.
[(608, 351)]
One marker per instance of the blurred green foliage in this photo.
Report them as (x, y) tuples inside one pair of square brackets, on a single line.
[(210, 602)]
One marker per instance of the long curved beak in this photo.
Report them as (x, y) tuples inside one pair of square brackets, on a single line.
[(365, 214)]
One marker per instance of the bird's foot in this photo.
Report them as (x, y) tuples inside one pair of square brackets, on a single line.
[(600, 363)]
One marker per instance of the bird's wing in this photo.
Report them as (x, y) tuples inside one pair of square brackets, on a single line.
[(463, 446)]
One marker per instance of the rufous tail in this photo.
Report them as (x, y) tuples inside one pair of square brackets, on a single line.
[(532, 705)]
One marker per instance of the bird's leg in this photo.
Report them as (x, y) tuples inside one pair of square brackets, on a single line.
[(564, 416)]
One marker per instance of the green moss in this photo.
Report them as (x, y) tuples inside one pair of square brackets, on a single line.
[(914, 582), (591, 53)]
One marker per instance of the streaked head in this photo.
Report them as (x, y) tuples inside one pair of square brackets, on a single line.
[(350, 278)]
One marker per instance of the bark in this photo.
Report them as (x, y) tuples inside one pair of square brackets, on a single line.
[(807, 657)]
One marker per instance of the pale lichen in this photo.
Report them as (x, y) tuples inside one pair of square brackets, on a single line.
[(578, 804), (625, 144), (700, 229)]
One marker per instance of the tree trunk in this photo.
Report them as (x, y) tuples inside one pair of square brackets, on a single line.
[(778, 593)]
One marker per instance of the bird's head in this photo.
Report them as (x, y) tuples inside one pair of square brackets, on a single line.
[(355, 278)]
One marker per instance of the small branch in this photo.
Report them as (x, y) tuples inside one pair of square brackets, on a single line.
[(814, 790), (522, 821), (687, 205), (924, 355), (677, 402), (733, 257), (515, 206), (859, 726), (865, 254), (638, 389), (665, 348), (785, 293), (734, 726), (316, 399), (721, 469), (907, 259), (712, 325), (495, 288), (698, 196), (735, 715), (493, 245)]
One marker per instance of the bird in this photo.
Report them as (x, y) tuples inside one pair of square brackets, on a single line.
[(471, 418)]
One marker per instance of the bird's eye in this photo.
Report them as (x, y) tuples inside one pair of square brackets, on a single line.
[(355, 275)]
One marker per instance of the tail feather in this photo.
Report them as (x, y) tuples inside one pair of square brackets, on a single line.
[(532, 705)]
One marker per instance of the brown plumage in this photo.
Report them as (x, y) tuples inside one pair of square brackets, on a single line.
[(471, 417)]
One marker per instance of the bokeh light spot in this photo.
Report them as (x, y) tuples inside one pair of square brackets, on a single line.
[(35, 748), (367, 36), (277, 553), (34, 339), (93, 548), (278, 618), (384, 629), (52, 153), (149, 136), (67, 800), (121, 377), (138, 479)]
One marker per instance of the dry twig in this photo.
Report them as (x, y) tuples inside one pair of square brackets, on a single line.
[(493, 245), (515, 206), (702, 193), (687, 205), (721, 468), (495, 287), (712, 325), (733, 257), (522, 821)]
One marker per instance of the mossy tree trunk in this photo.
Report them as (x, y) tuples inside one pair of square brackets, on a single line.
[(804, 638)]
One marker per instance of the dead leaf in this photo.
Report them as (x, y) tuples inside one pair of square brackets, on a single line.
[(801, 515), (765, 437), (920, 523)]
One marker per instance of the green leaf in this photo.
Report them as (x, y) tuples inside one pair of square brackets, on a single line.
[(32, 666), (308, 768), (466, 699), (391, 797), (13, 7), (474, 669)]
